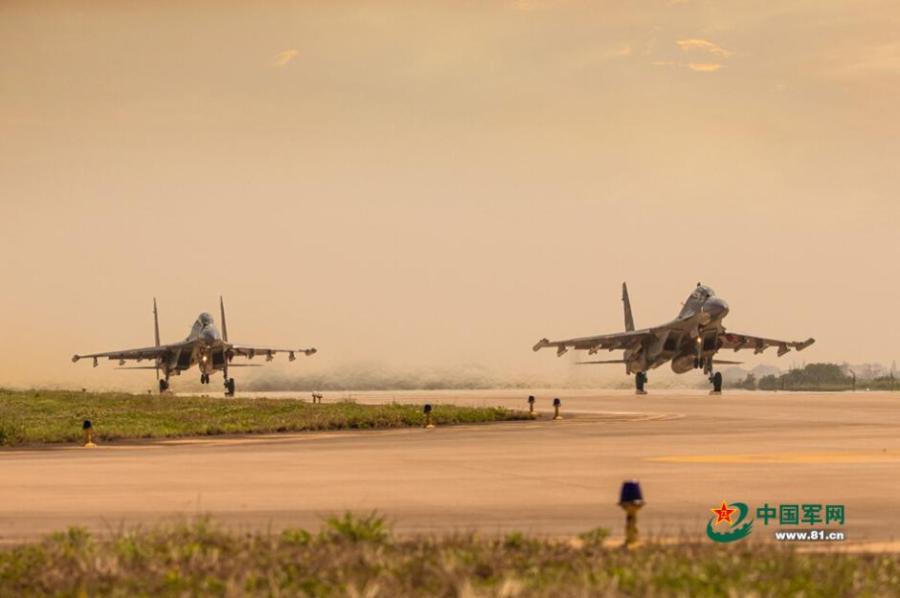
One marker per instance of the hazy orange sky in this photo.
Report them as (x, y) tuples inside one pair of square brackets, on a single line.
[(424, 184)]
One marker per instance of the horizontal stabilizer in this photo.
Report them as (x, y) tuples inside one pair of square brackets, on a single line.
[(600, 361)]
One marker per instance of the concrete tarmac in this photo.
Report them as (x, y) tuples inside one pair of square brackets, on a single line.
[(689, 450)]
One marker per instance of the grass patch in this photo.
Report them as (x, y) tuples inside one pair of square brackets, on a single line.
[(32, 417), (354, 556)]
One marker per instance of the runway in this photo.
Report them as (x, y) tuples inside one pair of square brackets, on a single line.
[(689, 450)]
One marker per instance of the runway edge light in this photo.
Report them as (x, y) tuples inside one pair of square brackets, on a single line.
[(88, 428), (556, 405), (631, 499), (427, 410)]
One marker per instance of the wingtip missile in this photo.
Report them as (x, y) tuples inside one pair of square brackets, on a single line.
[(292, 356), (806, 343), (544, 342), (75, 358)]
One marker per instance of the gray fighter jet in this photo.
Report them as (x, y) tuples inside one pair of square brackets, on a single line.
[(204, 347), (690, 341)]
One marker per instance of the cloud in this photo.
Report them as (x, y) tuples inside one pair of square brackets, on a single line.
[(698, 49), (700, 67), (704, 67), (702, 45), (284, 58)]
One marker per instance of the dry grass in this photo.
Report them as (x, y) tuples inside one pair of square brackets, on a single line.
[(35, 417), (358, 556)]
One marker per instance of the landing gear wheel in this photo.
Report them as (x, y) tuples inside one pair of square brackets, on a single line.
[(163, 386), (716, 380), (639, 380), (204, 378), (229, 387)]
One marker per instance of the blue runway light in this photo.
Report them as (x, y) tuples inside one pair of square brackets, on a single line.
[(631, 493)]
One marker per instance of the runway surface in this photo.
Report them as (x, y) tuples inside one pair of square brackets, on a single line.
[(689, 450)]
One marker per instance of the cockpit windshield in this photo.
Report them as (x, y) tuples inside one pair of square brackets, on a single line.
[(702, 293)]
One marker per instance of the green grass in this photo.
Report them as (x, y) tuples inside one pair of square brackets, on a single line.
[(353, 556), (35, 417)]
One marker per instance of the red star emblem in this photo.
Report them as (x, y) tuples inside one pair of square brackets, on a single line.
[(724, 513)]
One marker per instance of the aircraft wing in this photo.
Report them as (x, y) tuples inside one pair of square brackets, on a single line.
[(731, 340), (611, 342), (251, 351), (134, 354)]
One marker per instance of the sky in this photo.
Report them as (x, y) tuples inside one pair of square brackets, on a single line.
[(441, 184)]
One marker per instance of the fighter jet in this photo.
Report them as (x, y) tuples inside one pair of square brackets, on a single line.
[(690, 341), (204, 347)]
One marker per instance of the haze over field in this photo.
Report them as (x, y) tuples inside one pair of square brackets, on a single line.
[(438, 185)]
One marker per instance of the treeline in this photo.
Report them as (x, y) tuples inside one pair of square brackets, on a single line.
[(816, 377), (365, 377)]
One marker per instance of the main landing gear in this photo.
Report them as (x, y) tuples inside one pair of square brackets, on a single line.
[(229, 387), (163, 386), (640, 379)]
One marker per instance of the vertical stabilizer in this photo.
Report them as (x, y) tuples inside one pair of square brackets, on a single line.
[(156, 334), (155, 323), (629, 319), (224, 325)]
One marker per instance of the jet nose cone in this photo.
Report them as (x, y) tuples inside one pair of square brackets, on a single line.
[(716, 308)]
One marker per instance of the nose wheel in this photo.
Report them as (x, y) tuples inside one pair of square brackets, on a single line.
[(204, 378), (229, 387), (640, 379), (716, 379)]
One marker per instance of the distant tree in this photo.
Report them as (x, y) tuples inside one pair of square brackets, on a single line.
[(748, 383), (816, 375), (770, 382)]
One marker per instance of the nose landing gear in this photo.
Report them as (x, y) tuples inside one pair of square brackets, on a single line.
[(640, 379), (204, 378), (716, 379)]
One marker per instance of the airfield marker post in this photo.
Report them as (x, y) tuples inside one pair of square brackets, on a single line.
[(427, 410), (88, 428), (531, 406), (556, 405), (631, 499)]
